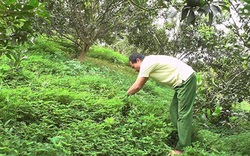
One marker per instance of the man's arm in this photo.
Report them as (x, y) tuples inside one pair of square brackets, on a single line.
[(139, 83)]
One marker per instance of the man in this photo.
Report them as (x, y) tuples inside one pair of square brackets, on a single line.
[(181, 77)]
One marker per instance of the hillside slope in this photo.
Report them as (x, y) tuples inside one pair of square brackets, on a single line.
[(54, 105), (57, 106)]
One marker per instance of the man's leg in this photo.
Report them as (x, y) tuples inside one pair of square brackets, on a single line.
[(174, 110), (186, 96)]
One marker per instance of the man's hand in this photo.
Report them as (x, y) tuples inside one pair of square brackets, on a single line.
[(139, 83)]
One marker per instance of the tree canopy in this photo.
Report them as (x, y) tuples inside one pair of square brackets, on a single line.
[(85, 22), (17, 21)]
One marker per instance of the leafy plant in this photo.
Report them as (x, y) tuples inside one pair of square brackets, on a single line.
[(72, 108), (17, 26), (108, 54)]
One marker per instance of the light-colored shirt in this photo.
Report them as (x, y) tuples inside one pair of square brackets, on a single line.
[(165, 69)]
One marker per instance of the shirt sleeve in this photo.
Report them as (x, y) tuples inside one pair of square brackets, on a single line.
[(146, 68)]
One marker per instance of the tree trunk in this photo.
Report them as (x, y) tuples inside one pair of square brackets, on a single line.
[(83, 52)]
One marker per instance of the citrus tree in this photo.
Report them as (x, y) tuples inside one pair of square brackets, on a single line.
[(214, 38), (16, 25), (85, 21)]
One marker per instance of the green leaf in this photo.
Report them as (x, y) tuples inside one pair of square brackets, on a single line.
[(8, 2), (34, 3), (9, 56), (28, 14), (191, 17), (208, 113), (205, 9), (184, 13), (210, 20), (2, 42), (110, 120), (137, 2), (26, 26), (217, 111), (42, 12), (227, 8), (245, 66), (161, 3), (215, 9), (247, 7), (56, 140), (212, 72), (193, 3), (2, 29), (28, 7)]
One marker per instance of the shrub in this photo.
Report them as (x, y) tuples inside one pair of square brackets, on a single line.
[(238, 144), (107, 54)]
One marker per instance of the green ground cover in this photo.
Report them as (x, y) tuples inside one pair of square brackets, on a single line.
[(56, 106)]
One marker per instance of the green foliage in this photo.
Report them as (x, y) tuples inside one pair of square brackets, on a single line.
[(210, 139), (246, 8), (16, 26), (123, 46), (63, 107), (108, 54), (198, 149), (216, 143), (50, 46), (229, 88), (88, 21), (237, 143), (222, 78), (207, 8), (191, 9), (57, 113)]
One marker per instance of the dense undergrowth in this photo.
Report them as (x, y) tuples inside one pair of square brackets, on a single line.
[(54, 105)]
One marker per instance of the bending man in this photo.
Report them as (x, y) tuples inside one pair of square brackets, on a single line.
[(181, 77)]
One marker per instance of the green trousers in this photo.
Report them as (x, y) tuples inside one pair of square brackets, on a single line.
[(181, 111)]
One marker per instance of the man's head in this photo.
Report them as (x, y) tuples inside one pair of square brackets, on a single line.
[(135, 61)]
